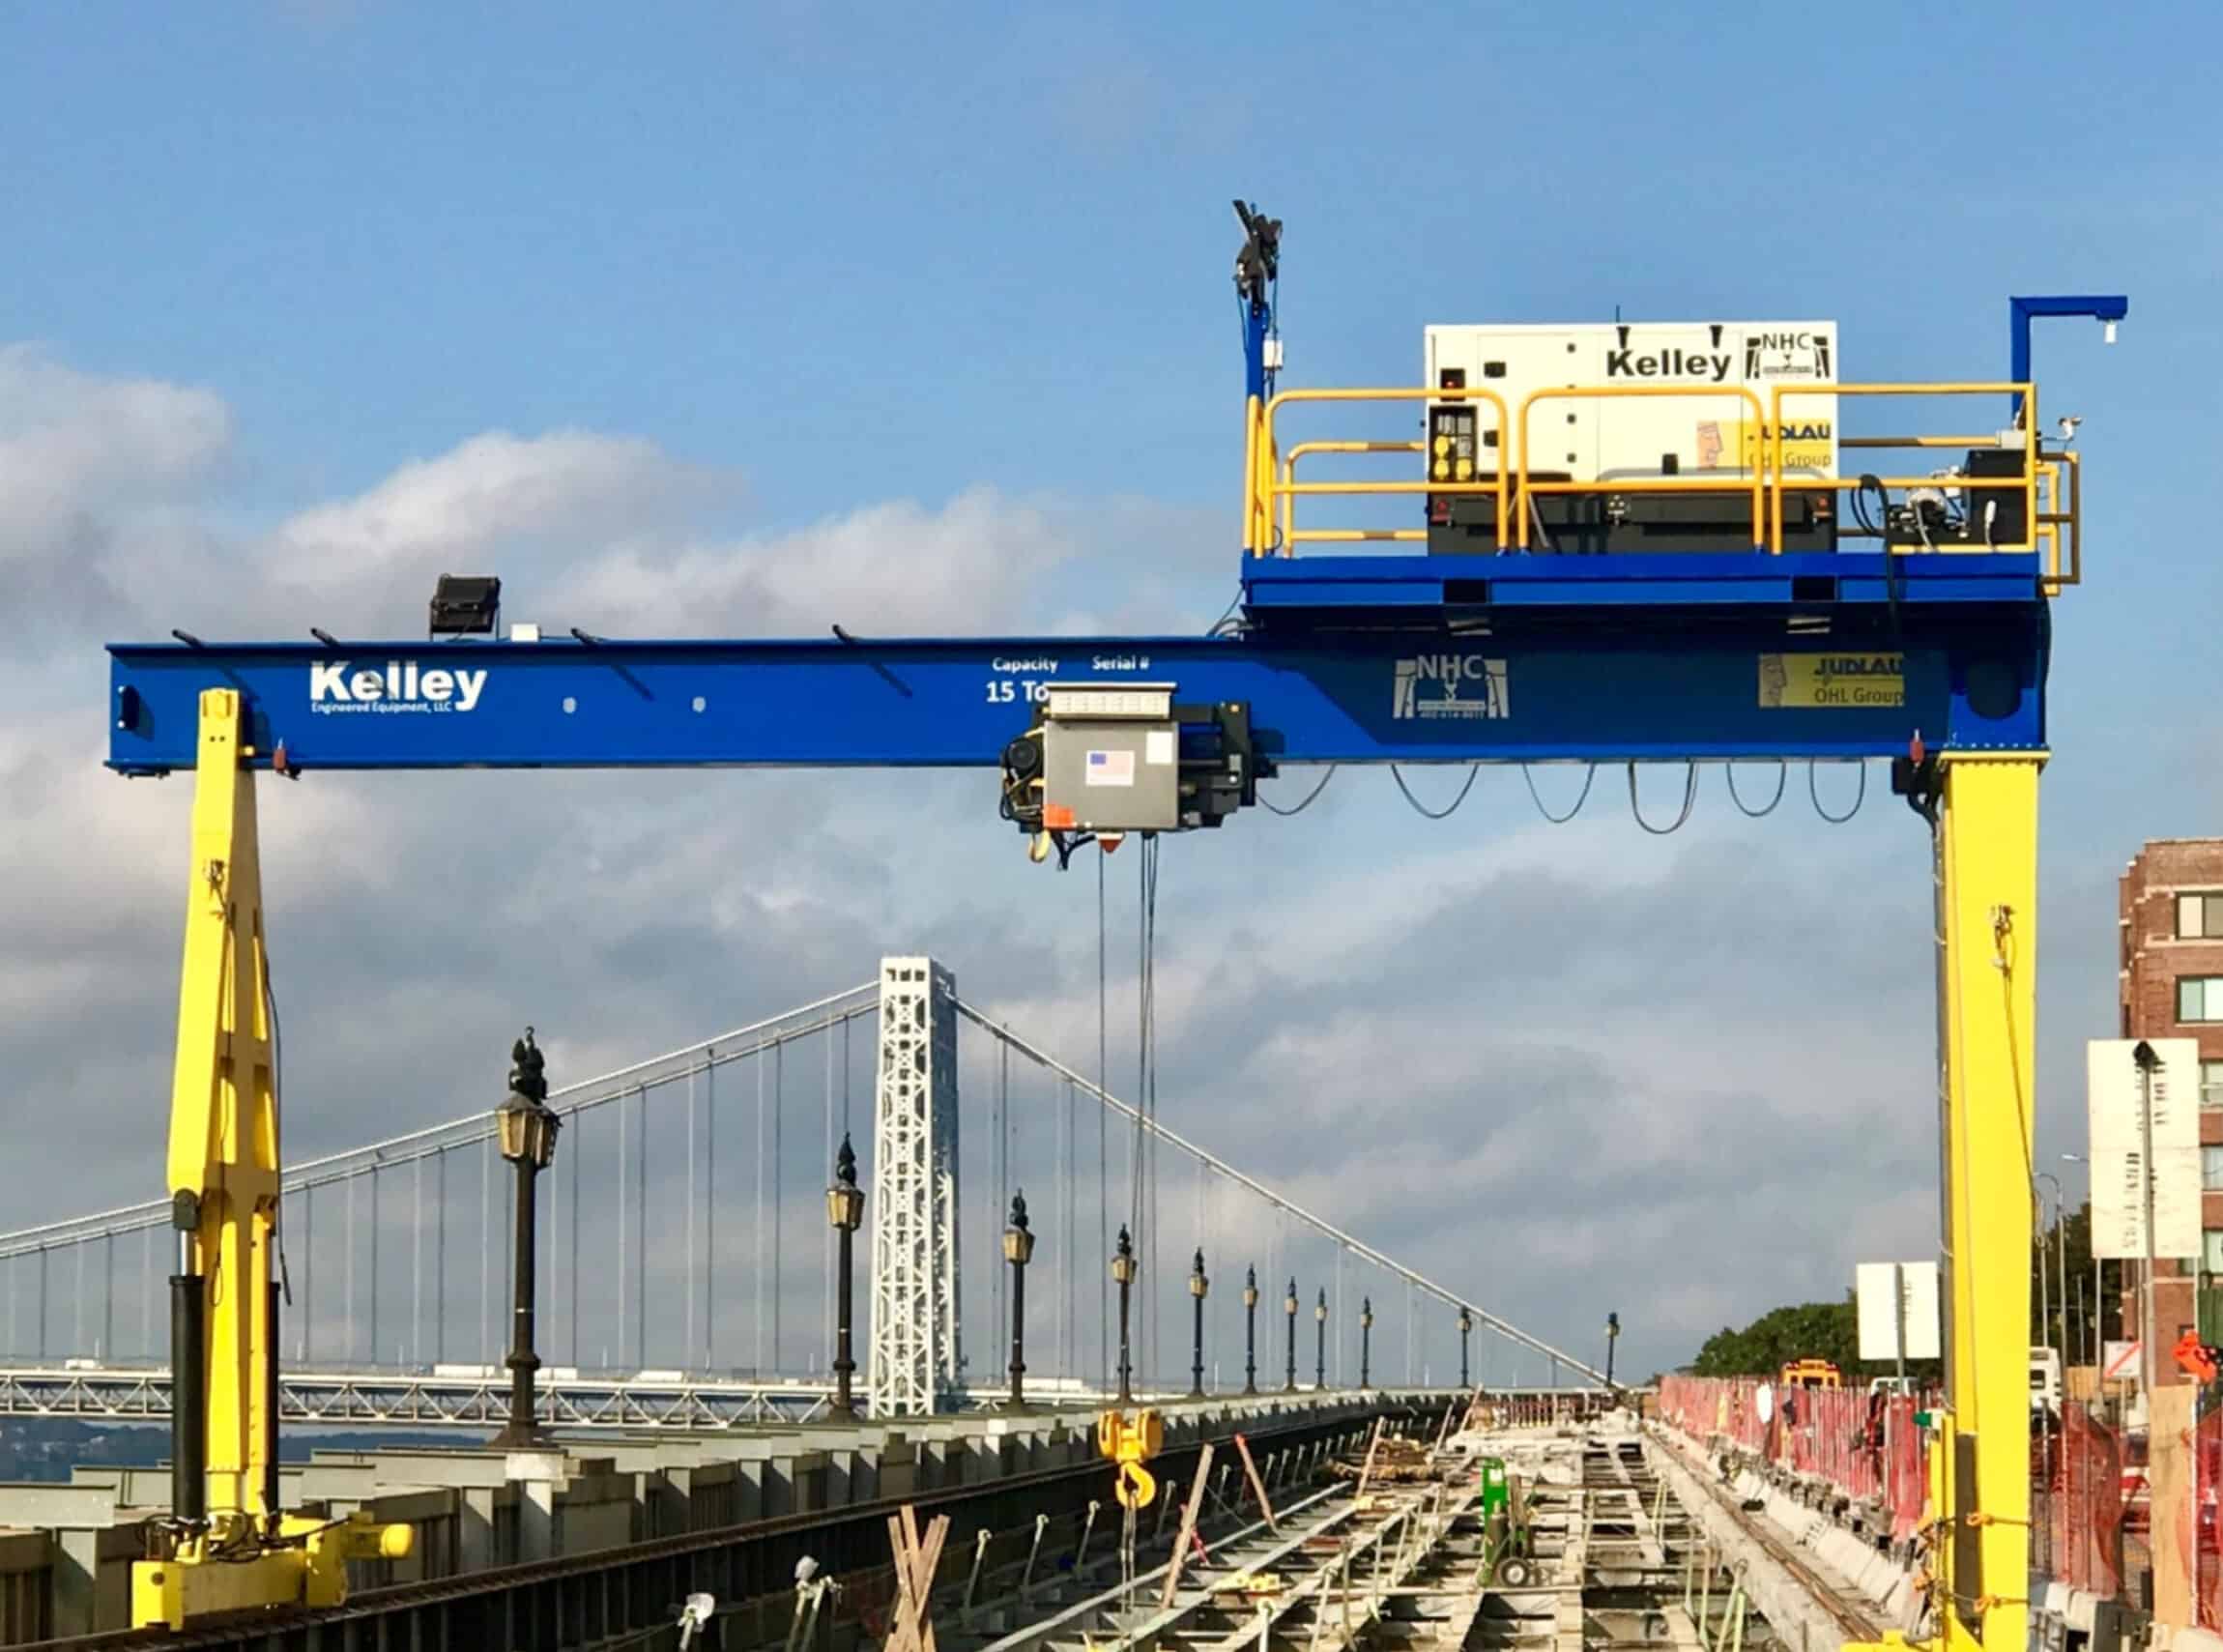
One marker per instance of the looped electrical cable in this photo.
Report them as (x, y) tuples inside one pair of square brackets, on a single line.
[(1309, 797), (1472, 772), (1859, 797), (1582, 798), (1690, 798), (1782, 775)]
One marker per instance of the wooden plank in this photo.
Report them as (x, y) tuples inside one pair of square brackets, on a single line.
[(1188, 1530), (1257, 1486), (1373, 1445)]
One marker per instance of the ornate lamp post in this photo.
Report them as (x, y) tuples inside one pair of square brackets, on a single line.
[(1198, 1288), (1465, 1330), (1017, 1251), (1366, 1340), (1320, 1334), (1289, 1308), (845, 1212), (1124, 1275), (527, 1130), (1250, 1330)]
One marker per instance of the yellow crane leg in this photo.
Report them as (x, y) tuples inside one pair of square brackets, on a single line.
[(1987, 843), (226, 1546)]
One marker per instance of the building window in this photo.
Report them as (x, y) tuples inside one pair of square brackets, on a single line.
[(2211, 1260), (2212, 1083), (2200, 998), (2212, 1170), (2199, 916)]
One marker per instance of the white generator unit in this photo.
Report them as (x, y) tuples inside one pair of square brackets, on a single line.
[(1710, 431)]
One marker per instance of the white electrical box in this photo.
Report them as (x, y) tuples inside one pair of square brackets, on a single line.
[(1711, 430)]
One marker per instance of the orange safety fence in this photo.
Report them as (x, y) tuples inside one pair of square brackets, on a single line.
[(1866, 1446)]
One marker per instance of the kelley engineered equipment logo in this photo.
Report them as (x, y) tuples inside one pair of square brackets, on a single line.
[(1428, 686), (397, 687)]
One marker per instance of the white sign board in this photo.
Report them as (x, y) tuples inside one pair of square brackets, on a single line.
[(2121, 1363), (2118, 1096), (1896, 1294)]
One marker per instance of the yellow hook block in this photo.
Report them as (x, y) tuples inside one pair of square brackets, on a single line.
[(1130, 1443)]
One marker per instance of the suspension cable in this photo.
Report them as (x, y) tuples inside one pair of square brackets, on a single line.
[(1590, 773), (1473, 772), (1858, 796), (1310, 796), (1782, 773), (1690, 796)]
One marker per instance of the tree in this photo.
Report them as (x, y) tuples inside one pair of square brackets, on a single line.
[(1803, 1330)]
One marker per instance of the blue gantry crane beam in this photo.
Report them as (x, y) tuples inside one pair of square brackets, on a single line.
[(1736, 597)]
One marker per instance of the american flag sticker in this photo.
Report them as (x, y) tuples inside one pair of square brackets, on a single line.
[(1112, 769)]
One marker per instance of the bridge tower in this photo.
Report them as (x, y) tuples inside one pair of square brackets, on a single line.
[(913, 1368)]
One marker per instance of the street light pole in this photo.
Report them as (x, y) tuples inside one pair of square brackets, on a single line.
[(1290, 1306), (1198, 1286), (1465, 1330), (1019, 1251), (1250, 1330), (1123, 1276), (2148, 1060), (526, 1131), (1365, 1341), (1320, 1335), (1612, 1337), (845, 1210)]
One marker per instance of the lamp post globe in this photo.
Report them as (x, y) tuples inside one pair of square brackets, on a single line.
[(845, 1214), (1250, 1330), (1199, 1286), (525, 1129), (1017, 1251), (1123, 1276)]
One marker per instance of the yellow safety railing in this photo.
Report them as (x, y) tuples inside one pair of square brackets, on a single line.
[(1269, 478), (2051, 483), (1291, 533), (2026, 483), (1756, 484)]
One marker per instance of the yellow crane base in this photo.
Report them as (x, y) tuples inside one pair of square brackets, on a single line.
[(305, 1565)]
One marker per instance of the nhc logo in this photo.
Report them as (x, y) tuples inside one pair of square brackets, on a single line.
[(399, 685), (1786, 356), (1433, 686)]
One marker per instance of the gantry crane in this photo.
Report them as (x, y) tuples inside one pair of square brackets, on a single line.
[(1736, 597)]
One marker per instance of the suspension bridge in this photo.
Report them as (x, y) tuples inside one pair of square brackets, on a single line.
[(688, 1267)]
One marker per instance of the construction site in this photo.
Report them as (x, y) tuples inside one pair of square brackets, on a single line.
[(613, 1048)]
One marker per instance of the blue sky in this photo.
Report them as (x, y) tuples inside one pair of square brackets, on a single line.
[(819, 262)]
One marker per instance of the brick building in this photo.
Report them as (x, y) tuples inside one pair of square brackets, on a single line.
[(2171, 984)]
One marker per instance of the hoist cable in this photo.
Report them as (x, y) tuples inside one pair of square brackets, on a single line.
[(1582, 798), (1472, 772), (1309, 797), (1102, 1124), (1690, 796), (1782, 773), (1858, 796)]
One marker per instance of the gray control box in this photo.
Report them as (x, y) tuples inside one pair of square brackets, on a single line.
[(1111, 758)]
